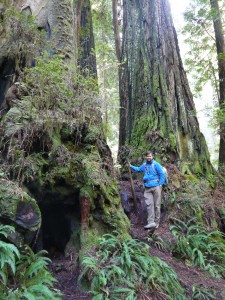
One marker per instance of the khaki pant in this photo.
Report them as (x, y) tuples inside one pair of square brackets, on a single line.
[(153, 201)]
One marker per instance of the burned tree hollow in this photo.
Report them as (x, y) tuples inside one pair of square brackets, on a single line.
[(61, 223)]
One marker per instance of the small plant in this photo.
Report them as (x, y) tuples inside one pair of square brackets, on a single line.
[(123, 269), (8, 254), (199, 292), (24, 275), (157, 241), (199, 247)]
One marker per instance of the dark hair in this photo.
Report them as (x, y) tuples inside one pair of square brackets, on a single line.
[(149, 152)]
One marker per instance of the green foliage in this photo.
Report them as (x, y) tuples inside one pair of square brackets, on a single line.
[(198, 246), (25, 40), (201, 293), (123, 269), (24, 275), (8, 254), (157, 241), (201, 60), (54, 101), (54, 85)]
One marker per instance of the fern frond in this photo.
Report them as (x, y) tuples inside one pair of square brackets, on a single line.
[(42, 292), (35, 267), (3, 276), (8, 254), (5, 229)]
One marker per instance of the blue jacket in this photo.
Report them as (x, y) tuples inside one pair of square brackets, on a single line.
[(153, 176)]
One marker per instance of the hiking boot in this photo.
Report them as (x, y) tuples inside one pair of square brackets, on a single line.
[(150, 225)]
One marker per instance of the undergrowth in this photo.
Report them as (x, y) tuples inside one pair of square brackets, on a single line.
[(199, 246), (124, 269), (199, 292), (24, 274), (55, 103)]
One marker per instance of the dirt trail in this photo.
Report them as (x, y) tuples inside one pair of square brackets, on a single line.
[(67, 276)]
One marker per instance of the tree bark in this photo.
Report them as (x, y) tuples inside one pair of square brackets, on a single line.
[(161, 109), (123, 84), (78, 19), (87, 59), (220, 46), (116, 29)]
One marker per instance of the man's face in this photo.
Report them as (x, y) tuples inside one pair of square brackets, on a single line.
[(149, 157)]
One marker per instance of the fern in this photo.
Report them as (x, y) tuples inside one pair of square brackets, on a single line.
[(199, 292), (157, 241), (8, 254), (123, 269), (31, 279), (199, 246)]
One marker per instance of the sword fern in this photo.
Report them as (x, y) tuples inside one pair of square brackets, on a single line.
[(24, 275), (199, 247), (124, 269)]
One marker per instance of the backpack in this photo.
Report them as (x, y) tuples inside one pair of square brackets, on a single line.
[(165, 174)]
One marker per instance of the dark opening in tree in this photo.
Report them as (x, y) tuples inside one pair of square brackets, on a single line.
[(60, 220)]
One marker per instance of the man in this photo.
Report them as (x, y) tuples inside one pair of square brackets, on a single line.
[(153, 178)]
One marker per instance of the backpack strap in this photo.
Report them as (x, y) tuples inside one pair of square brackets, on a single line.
[(153, 168)]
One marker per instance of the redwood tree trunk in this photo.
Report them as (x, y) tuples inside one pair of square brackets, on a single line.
[(161, 109), (220, 46), (123, 84), (87, 59), (116, 28)]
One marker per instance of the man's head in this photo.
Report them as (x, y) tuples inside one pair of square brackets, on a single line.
[(149, 155)]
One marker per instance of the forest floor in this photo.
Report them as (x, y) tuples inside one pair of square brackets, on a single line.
[(67, 275)]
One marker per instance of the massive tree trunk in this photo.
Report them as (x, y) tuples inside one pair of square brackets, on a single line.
[(122, 72), (161, 114), (60, 155), (220, 46), (123, 84)]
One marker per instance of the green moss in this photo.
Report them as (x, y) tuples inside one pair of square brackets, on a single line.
[(87, 191), (197, 168), (55, 137), (221, 213), (173, 141), (93, 134), (89, 244), (12, 197), (191, 177)]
